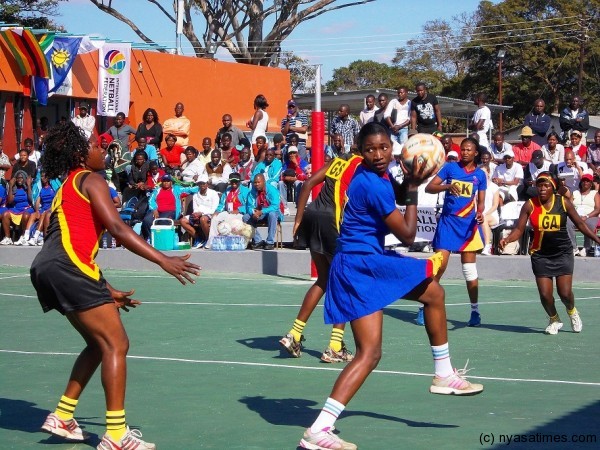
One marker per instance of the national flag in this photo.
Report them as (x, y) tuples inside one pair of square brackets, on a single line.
[(26, 50)]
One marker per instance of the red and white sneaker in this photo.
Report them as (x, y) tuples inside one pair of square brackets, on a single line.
[(132, 439), (68, 429), (323, 440)]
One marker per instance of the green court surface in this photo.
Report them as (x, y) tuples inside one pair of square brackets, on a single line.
[(205, 369)]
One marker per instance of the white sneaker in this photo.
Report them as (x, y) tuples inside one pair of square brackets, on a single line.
[(286, 211), (32, 242), (131, 440), (583, 252), (40, 241), (487, 250), (553, 327), (6, 241), (576, 323), (22, 241)]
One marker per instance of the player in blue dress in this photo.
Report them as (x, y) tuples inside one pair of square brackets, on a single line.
[(459, 226), (364, 278)]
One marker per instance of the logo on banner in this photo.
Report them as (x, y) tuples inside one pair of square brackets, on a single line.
[(115, 62)]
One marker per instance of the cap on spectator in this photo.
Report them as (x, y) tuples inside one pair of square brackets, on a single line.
[(84, 105), (452, 154), (537, 155), (527, 132), (239, 147), (587, 176), (166, 177), (202, 181), (396, 148), (292, 149), (576, 133), (509, 152), (291, 102), (235, 177)]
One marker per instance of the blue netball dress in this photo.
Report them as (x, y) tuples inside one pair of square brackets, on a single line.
[(20, 203), (46, 196), (457, 228), (364, 277)]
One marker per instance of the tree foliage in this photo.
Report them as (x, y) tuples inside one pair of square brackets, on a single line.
[(542, 40), (364, 75), (302, 73), (30, 13), (240, 26)]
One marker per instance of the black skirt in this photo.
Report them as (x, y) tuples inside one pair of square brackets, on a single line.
[(317, 231), (552, 266)]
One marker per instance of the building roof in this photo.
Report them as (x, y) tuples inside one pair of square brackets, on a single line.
[(331, 101)]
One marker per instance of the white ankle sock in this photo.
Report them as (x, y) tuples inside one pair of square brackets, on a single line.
[(328, 416), (441, 360)]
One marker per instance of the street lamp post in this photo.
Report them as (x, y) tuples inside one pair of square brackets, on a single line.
[(501, 55)]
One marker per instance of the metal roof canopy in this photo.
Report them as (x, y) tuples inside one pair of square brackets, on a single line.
[(331, 101)]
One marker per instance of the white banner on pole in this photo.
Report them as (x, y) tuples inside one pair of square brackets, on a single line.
[(114, 74)]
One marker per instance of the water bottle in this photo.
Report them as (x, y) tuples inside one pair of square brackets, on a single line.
[(113, 243), (104, 243), (597, 251)]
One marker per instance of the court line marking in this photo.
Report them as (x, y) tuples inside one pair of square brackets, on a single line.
[(288, 366), (412, 303)]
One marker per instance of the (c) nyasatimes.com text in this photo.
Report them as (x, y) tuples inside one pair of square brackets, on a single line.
[(489, 439)]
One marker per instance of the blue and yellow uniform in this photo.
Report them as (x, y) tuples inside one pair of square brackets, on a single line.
[(64, 272), (551, 249), (364, 277), (457, 229)]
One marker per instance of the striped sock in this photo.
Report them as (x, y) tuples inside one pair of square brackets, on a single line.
[(335, 342), (115, 424), (328, 416), (66, 407), (297, 329), (475, 307), (441, 360)]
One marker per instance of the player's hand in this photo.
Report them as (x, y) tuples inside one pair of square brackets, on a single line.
[(454, 189), (295, 229), (180, 268), (418, 172), (479, 217), (502, 244), (122, 299)]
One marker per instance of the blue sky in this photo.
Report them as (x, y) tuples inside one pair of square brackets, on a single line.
[(335, 39)]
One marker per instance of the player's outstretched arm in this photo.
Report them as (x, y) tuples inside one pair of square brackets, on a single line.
[(96, 190)]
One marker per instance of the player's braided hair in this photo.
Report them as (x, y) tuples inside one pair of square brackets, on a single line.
[(65, 146)]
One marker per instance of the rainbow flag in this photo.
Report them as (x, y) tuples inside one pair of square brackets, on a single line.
[(26, 50)]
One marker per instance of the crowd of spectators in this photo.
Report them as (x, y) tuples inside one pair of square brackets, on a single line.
[(156, 169)]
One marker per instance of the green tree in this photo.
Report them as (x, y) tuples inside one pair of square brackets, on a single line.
[(30, 13), (364, 75), (240, 26), (543, 41), (302, 73)]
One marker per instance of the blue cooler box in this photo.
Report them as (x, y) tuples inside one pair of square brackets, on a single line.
[(163, 236)]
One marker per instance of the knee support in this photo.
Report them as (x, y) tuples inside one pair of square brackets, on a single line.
[(469, 271)]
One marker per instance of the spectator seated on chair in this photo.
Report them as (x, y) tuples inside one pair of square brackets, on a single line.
[(246, 164), (3, 207), (263, 207), (137, 177), (270, 168), (20, 206), (155, 174), (292, 175), (24, 164), (171, 153), (41, 214), (586, 201), (192, 169), (204, 205), (537, 165), (491, 218), (218, 172), (232, 206), (508, 176), (165, 203)]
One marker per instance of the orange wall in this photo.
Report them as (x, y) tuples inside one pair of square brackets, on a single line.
[(208, 89)]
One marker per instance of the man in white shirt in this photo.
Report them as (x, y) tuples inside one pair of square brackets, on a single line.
[(204, 203), (498, 147), (482, 119), (508, 176), (394, 168), (570, 171), (397, 116), (367, 115), (84, 121), (537, 165)]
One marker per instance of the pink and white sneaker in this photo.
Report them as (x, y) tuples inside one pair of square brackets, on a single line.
[(455, 384), (324, 439)]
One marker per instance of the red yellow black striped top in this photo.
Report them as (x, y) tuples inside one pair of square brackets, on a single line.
[(74, 228), (550, 236)]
